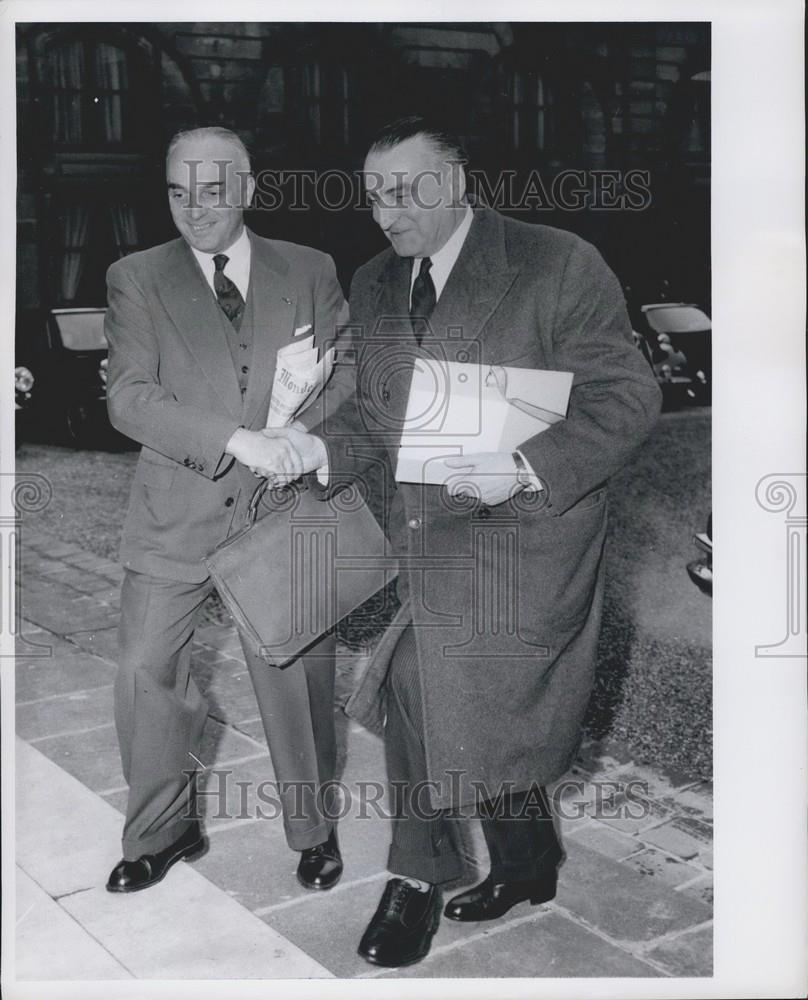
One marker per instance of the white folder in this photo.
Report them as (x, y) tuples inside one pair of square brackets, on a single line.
[(458, 409)]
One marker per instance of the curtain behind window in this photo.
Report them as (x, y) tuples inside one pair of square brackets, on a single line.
[(124, 227), (65, 75), (112, 81), (74, 223)]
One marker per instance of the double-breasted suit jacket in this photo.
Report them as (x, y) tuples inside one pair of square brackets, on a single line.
[(173, 387), (506, 599)]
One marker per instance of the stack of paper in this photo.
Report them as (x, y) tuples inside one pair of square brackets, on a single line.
[(459, 409)]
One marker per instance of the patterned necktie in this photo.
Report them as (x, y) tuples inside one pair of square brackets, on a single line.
[(226, 292), (423, 300)]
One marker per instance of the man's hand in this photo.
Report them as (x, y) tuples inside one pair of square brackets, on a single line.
[(266, 453), (488, 476), (310, 450)]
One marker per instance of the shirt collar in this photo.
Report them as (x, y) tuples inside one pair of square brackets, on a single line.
[(238, 263), (237, 253), (444, 260)]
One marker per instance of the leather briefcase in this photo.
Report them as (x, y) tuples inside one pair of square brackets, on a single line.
[(293, 573)]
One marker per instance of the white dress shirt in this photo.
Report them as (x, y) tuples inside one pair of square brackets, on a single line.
[(237, 267), (443, 260)]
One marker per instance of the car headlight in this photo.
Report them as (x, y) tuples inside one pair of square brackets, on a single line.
[(102, 371), (23, 379)]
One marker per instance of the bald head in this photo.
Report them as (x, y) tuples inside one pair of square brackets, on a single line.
[(209, 186)]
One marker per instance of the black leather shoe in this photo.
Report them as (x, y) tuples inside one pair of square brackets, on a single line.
[(403, 925), (148, 869), (321, 866), (490, 899)]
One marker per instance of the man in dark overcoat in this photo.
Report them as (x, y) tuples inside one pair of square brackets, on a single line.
[(481, 683)]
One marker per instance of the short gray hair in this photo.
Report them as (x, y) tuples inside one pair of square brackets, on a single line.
[(213, 131)]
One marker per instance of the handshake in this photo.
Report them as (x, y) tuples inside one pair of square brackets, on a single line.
[(283, 454)]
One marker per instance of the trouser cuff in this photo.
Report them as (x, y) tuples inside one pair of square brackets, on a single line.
[(526, 869), (302, 840), (156, 842), (442, 868)]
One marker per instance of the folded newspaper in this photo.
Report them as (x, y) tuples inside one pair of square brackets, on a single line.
[(299, 378)]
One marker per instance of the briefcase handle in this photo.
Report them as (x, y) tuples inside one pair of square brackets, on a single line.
[(255, 500), (258, 496)]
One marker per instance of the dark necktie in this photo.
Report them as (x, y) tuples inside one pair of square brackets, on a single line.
[(226, 292), (423, 299)]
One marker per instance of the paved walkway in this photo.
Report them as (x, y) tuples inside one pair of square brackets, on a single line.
[(634, 899)]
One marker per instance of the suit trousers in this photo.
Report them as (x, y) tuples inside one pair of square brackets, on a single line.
[(428, 843), (160, 714)]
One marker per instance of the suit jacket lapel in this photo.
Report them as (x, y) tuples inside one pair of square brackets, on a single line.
[(274, 307), (189, 301), (393, 299), (478, 282)]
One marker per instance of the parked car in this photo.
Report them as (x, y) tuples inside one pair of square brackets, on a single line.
[(23, 392), (676, 339), (701, 570), (77, 357)]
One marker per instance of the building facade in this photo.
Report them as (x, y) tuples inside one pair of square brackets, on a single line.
[(562, 122)]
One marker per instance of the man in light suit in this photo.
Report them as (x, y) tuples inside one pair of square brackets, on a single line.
[(481, 683), (194, 326)]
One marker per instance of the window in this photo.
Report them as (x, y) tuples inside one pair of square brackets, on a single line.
[(529, 119), (88, 90), (325, 98), (90, 234)]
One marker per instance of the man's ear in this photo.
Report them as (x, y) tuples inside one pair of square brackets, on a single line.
[(249, 191), (457, 182)]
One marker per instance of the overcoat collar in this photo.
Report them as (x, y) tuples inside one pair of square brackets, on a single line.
[(191, 304)]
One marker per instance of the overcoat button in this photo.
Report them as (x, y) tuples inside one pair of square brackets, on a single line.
[(229, 502), (414, 522)]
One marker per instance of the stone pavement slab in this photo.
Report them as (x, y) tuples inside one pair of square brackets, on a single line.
[(624, 904), (546, 945), (184, 927), (62, 673), (701, 888), (99, 641), (61, 609), (660, 867), (689, 954), (49, 830), (49, 944), (686, 838), (91, 756), (68, 712)]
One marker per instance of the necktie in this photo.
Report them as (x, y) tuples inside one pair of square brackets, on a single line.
[(226, 292), (423, 299)]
